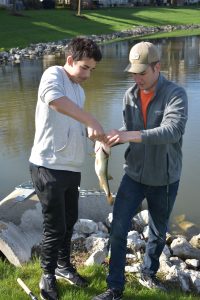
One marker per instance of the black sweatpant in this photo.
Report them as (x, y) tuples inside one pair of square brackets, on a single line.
[(58, 193)]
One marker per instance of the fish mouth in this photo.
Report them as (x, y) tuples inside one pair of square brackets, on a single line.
[(104, 151)]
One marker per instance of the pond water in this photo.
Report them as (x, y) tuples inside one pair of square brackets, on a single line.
[(180, 59)]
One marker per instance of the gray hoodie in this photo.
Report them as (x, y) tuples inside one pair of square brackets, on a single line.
[(157, 160), (60, 141)]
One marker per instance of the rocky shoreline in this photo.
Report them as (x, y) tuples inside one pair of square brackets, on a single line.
[(179, 262), (21, 235), (34, 51)]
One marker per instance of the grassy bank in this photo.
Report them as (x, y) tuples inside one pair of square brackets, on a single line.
[(30, 274), (53, 25), (43, 26)]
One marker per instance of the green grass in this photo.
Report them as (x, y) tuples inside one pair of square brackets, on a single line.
[(31, 272), (52, 25)]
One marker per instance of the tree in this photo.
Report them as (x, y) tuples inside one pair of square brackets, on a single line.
[(79, 8)]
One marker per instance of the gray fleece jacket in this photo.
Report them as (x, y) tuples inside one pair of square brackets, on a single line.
[(157, 160)]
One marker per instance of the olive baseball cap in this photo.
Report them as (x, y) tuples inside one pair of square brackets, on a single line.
[(141, 56)]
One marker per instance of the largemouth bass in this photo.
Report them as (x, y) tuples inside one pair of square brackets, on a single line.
[(102, 153)]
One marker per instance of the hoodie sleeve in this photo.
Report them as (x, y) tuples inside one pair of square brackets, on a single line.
[(174, 120), (51, 85)]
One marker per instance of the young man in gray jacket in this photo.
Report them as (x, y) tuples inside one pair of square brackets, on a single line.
[(57, 156), (154, 115)]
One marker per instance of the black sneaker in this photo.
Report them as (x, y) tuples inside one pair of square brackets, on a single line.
[(71, 275), (48, 289), (110, 294), (151, 282)]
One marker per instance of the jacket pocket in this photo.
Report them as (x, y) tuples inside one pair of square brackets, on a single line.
[(70, 148)]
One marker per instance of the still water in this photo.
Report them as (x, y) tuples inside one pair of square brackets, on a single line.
[(104, 92)]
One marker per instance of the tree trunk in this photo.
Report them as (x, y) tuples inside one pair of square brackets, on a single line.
[(79, 8)]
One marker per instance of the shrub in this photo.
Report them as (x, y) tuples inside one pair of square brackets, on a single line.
[(48, 4), (32, 4)]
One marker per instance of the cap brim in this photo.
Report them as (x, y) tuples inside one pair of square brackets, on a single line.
[(136, 68)]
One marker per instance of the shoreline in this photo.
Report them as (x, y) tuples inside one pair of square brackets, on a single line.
[(34, 51)]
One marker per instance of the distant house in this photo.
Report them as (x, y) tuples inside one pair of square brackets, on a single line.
[(9, 4), (189, 2), (112, 3), (5, 2)]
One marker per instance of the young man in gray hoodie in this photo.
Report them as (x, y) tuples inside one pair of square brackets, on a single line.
[(154, 115), (57, 156)]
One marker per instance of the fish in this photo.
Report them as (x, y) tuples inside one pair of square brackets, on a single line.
[(102, 153)]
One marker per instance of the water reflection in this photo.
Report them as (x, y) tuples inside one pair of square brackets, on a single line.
[(104, 92)]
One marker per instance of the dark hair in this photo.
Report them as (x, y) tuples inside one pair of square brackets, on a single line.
[(152, 65), (80, 48)]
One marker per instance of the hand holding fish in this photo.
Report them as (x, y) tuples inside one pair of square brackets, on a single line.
[(102, 153), (114, 137), (95, 131)]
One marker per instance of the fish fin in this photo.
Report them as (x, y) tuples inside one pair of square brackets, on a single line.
[(92, 154), (110, 199)]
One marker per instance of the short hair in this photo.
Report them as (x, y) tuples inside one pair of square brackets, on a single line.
[(152, 65), (80, 48)]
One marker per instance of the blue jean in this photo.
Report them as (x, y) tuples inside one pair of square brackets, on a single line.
[(160, 200)]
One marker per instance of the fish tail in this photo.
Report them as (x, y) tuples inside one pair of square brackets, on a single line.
[(110, 199)]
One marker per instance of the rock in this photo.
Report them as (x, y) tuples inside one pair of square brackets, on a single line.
[(20, 228), (183, 249), (85, 226), (133, 269), (142, 218), (95, 243), (96, 257), (179, 263), (192, 263), (131, 256), (59, 47), (23, 230), (182, 278), (195, 279), (102, 227), (134, 241), (166, 266), (77, 236), (195, 241), (171, 237)]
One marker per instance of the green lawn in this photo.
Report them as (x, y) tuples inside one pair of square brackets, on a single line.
[(52, 25), (30, 274)]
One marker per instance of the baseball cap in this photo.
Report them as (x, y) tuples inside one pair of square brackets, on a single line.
[(141, 56)]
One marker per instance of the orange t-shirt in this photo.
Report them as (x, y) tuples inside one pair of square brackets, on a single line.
[(145, 100)]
